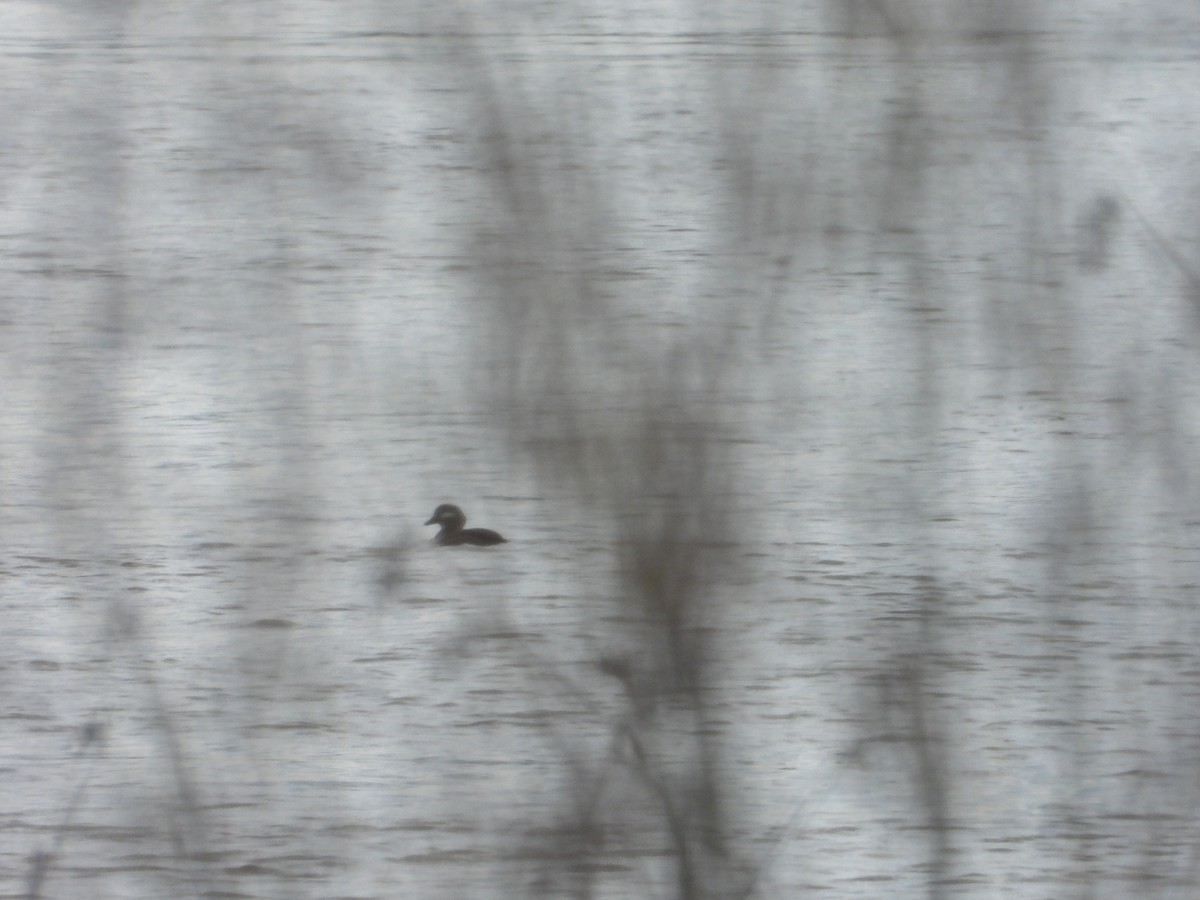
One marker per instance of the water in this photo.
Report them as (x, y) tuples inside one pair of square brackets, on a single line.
[(249, 344)]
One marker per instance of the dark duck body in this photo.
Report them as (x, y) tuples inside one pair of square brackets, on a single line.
[(452, 520)]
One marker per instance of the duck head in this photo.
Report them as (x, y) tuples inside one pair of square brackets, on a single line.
[(448, 516)]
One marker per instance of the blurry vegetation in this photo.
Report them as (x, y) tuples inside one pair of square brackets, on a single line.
[(662, 469), (642, 431)]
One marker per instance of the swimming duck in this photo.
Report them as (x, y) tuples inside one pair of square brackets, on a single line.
[(452, 520)]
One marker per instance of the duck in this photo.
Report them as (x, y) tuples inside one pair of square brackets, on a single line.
[(452, 520)]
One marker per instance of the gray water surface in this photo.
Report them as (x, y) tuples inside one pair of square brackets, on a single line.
[(250, 340)]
